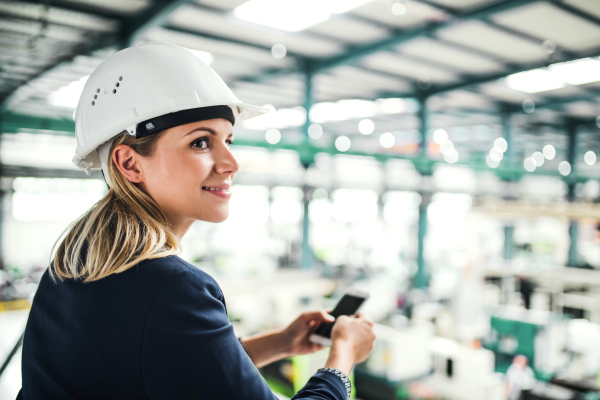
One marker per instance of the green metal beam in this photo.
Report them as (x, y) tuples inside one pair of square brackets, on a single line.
[(130, 29), (100, 42), (359, 52), (487, 19), (11, 123), (155, 15), (81, 7), (477, 80)]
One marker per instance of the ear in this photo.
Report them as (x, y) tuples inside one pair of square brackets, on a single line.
[(128, 162)]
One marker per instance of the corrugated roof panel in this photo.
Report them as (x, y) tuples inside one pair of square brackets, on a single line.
[(348, 30), (582, 109), (222, 4), (483, 37), (567, 91), (342, 87), (462, 4), (218, 48), (589, 6), (58, 16), (429, 49), (546, 21), (376, 80), (498, 90), (34, 28), (261, 98), (462, 99), (269, 89), (231, 67), (123, 7), (395, 63), (416, 13), (227, 26)]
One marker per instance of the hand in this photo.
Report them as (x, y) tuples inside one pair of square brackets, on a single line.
[(297, 333), (354, 336)]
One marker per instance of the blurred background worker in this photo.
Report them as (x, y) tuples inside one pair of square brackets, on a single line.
[(519, 378), (440, 155)]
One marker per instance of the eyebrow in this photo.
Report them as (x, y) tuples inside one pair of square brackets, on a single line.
[(209, 130)]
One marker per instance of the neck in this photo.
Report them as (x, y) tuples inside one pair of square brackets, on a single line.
[(180, 226)]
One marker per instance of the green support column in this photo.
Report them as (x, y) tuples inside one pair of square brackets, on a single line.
[(509, 229), (572, 159), (422, 278), (507, 133), (422, 114), (307, 255), (509, 244)]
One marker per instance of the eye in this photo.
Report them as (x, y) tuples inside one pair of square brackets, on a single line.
[(229, 143), (200, 143)]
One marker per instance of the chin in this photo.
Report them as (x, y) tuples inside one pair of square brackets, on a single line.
[(215, 217)]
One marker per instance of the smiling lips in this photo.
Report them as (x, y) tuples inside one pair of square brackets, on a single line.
[(222, 191)]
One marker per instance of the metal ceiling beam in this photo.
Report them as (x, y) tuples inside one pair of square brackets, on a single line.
[(576, 11), (359, 52), (487, 19), (156, 15), (81, 8), (84, 49), (130, 29), (17, 171), (186, 31), (476, 80)]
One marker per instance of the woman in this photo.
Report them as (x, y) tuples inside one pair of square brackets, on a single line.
[(118, 315)]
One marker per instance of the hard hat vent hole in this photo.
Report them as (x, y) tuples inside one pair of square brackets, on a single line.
[(93, 103), (120, 78), (114, 91), (97, 90), (117, 84), (95, 96)]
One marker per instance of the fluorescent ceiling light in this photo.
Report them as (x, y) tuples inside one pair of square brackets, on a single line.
[(577, 72), (292, 15), (534, 81)]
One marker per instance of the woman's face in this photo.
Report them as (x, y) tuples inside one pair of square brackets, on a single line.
[(190, 172)]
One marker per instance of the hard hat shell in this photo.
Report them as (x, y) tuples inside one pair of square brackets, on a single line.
[(143, 82)]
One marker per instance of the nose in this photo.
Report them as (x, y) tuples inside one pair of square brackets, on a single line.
[(225, 161)]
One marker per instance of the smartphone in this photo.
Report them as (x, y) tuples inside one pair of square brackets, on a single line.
[(348, 305)]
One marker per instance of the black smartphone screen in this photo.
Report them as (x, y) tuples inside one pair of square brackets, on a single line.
[(348, 305)]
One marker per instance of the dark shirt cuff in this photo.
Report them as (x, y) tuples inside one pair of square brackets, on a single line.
[(340, 375)]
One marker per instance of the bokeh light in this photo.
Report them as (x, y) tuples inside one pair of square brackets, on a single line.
[(342, 143)]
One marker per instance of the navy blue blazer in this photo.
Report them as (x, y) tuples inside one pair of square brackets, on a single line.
[(156, 331)]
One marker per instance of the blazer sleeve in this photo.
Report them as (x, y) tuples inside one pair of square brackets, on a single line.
[(191, 352)]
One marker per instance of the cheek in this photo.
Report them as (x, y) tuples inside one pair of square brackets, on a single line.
[(185, 174)]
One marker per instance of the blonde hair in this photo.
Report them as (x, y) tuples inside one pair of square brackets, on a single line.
[(122, 229)]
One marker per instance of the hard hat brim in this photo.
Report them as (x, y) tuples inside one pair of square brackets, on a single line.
[(87, 158)]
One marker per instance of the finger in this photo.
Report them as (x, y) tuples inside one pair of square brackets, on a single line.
[(316, 347), (318, 316)]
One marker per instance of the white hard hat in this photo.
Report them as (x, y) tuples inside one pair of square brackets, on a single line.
[(140, 83)]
